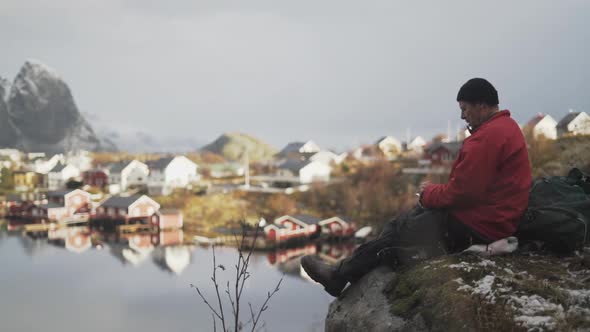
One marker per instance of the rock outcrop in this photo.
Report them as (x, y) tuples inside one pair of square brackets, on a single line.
[(365, 307), (40, 114), (8, 134), (520, 292)]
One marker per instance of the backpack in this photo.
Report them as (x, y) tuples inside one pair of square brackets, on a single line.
[(558, 213)]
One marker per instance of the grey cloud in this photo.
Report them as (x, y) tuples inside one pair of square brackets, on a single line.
[(286, 70)]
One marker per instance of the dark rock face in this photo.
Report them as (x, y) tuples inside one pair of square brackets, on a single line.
[(44, 115), (364, 307), (8, 134)]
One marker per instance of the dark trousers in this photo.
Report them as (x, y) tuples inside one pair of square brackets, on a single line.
[(417, 234)]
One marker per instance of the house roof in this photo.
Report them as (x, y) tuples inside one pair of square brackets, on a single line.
[(307, 219), (51, 205), (291, 147), (453, 147), (383, 138), (118, 167), (294, 165), (567, 119), (536, 119), (58, 168), (21, 197), (59, 193), (160, 164), (117, 201)]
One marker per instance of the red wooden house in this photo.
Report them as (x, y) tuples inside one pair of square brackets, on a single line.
[(125, 209), (443, 154), (297, 227), (63, 205), (96, 178), (337, 227)]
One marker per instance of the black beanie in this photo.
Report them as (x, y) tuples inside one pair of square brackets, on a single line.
[(478, 90)]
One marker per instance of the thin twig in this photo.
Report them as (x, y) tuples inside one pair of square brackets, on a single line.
[(264, 306), (214, 279)]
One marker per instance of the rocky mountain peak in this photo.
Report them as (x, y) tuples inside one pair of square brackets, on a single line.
[(43, 112)]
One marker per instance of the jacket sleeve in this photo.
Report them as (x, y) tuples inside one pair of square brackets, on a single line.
[(470, 178)]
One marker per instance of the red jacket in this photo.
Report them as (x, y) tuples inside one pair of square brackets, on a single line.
[(488, 189)]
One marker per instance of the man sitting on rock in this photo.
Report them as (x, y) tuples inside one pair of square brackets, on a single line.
[(483, 201)]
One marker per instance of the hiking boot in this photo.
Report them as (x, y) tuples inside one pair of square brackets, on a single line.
[(323, 273)]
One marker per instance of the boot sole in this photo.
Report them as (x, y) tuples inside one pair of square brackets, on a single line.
[(335, 292)]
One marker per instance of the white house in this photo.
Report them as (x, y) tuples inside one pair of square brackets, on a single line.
[(543, 125), (389, 146), (80, 158), (306, 171), (297, 148), (60, 174), (574, 123), (166, 174), (417, 144), (43, 165), (327, 157), (123, 175)]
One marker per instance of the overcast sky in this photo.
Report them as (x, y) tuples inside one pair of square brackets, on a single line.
[(338, 72)]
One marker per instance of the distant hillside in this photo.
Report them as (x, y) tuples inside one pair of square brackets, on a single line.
[(233, 146)]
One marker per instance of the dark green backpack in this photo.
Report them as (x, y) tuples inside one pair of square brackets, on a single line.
[(558, 213)]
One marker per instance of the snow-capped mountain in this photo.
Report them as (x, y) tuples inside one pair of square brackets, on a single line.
[(40, 114)]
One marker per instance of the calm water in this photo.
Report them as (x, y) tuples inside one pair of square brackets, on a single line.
[(74, 280)]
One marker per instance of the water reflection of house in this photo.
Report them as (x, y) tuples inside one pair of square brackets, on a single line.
[(172, 258), (74, 239)]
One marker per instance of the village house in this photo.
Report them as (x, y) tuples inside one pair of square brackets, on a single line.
[(10, 158), (542, 125), (127, 174), (367, 153), (574, 123), (327, 157), (20, 204), (389, 146), (337, 227), (125, 209), (303, 171), (44, 165), (64, 205), (443, 154), (95, 177), (79, 158), (167, 174), (296, 149), (59, 175), (28, 180), (416, 145), (167, 219), (297, 227)]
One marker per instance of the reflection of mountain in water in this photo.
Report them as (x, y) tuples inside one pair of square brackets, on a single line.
[(172, 259)]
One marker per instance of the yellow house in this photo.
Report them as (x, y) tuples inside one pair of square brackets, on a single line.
[(27, 180)]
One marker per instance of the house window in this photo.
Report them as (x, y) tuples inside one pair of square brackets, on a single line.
[(77, 200), (111, 211)]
